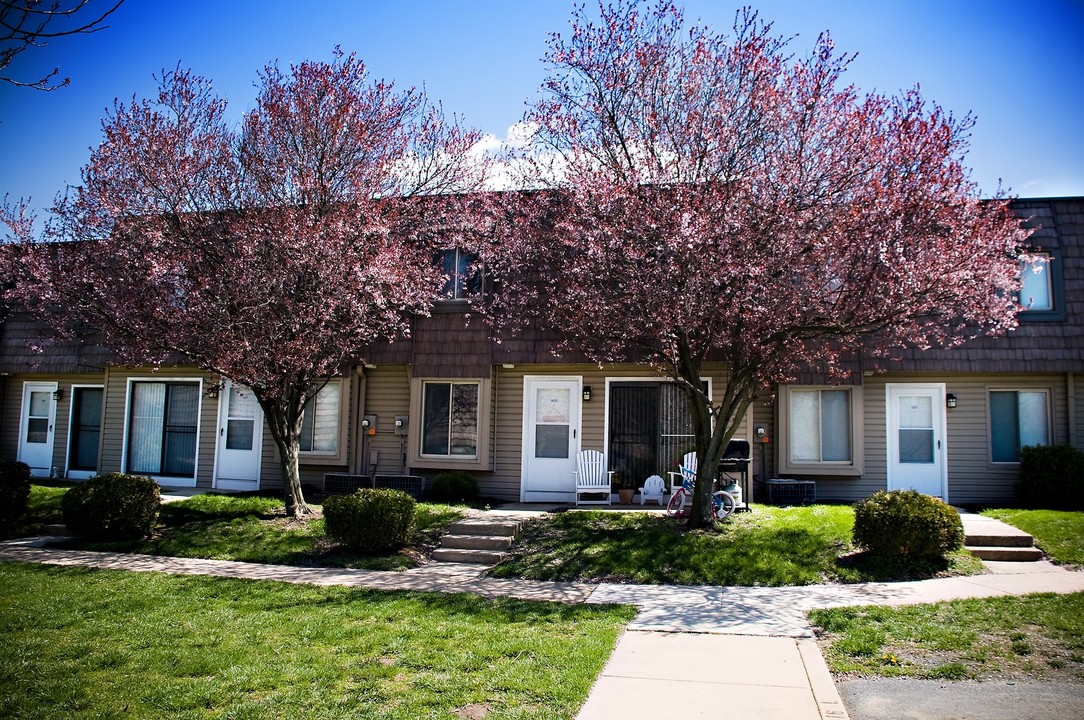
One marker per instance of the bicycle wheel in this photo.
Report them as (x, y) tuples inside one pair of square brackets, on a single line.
[(722, 504), (676, 506)]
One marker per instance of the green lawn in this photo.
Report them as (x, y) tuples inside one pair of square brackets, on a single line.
[(251, 528), (43, 508), (82, 643), (770, 546), (1038, 636), (1059, 533)]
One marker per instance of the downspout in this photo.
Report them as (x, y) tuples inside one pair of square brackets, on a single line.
[(1070, 388), (357, 462)]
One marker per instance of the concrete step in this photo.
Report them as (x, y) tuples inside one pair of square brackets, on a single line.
[(1017, 539), (56, 530), (457, 555), (477, 542), (1006, 553), (485, 527)]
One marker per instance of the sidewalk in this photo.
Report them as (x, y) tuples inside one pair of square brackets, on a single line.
[(742, 652)]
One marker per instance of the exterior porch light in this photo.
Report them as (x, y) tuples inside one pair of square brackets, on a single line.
[(212, 392), (58, 394), (586, 393), (950, 401)]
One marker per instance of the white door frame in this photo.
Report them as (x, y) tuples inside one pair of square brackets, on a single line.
[(33, 453), (936, 391), (81, 474), (255, 455), (551, 494)]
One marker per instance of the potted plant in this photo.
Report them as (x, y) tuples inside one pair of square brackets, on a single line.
[(626, 487)]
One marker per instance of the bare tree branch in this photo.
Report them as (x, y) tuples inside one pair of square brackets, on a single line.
[(26, 24)]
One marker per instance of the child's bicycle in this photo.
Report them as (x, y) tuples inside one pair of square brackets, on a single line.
[(681, 503)]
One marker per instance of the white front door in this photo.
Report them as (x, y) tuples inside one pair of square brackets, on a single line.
[(916, 438), (240, 439), (551, 438), (37, 427)]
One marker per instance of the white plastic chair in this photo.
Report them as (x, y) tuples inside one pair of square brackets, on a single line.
[(688, 466), (654, 489), (592, 477)]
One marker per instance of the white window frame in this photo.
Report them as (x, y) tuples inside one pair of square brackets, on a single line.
[(337, 384), (787, 466), (990, 419), (415, 427), (165, 480)]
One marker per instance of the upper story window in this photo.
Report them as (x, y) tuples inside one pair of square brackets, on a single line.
[(462, 278), (1041, 290), (1036, 288), (320, 425)]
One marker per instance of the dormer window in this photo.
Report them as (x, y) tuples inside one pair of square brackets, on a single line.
[(1036, 283), (463, 279)]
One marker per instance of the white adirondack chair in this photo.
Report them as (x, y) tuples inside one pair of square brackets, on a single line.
[(688, 466), (654, 489), (592, 478)]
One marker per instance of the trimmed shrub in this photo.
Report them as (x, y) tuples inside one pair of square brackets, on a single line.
[(1052, 477), (906, 523), (371, 520), (454, 487), (113, 506), (14, 490)]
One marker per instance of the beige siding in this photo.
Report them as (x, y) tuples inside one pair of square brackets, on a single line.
[(972, 477), (387, 395)]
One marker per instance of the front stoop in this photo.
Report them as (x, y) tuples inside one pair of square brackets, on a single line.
[(1014, 546), (480, 541)]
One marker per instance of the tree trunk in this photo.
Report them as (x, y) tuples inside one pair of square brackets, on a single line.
[(293, 496), (284, 421)]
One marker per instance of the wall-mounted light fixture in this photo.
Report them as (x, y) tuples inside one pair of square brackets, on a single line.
[(950, 401), (58, 394), (586, 392), (212, 391)]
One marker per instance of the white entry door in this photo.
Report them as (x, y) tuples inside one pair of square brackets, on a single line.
[(240, 439), (916, 438), (551, 438), (37, 427)]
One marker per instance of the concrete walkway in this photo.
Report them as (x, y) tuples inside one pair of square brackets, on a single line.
[(738, 652)]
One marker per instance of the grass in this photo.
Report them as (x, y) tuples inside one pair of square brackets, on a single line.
[(254, 528), (82, 643), (770, 546), (1059, 533), (1037, 636)]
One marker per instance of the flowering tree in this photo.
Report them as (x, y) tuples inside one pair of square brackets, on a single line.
[(703, 197), (268, 254)]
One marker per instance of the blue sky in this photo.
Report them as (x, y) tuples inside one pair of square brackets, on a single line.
[(1018, 65)]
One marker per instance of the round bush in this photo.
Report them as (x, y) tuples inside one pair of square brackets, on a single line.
[(454, 487), (113, 506), (1052, 477), (14, 490), (371, 520), (906, 523)]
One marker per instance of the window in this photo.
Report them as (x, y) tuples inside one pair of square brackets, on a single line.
[(462, 279), (1017, 418), (320, 425), (1036, 286), (819, 429), (162, 428), (450, 419)]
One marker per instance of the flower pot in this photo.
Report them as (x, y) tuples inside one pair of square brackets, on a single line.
[(626, 495)]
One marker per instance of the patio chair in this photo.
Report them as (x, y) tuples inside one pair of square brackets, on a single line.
[(687, 468), (592, 478), (654, 489)]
